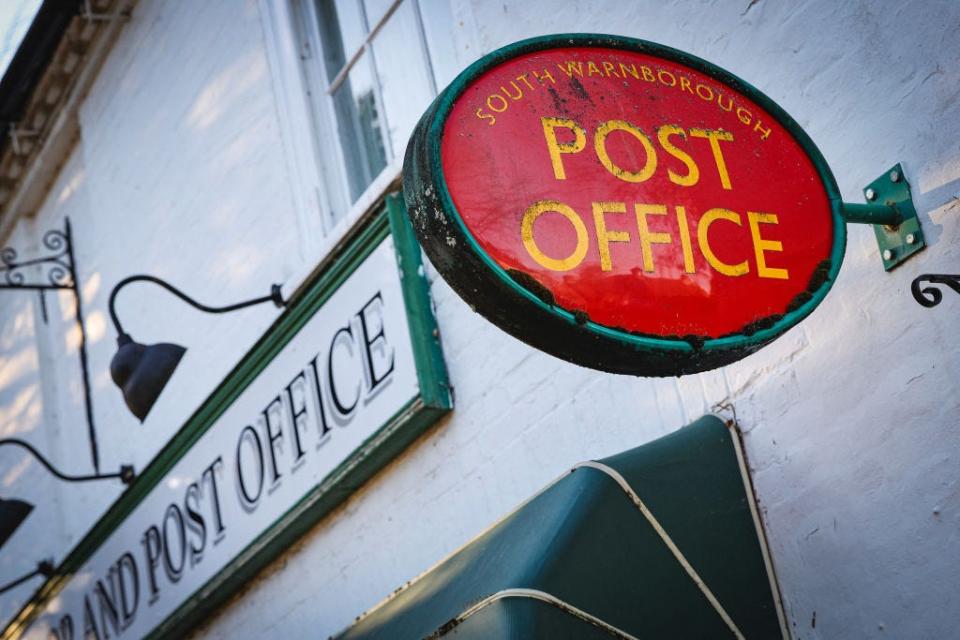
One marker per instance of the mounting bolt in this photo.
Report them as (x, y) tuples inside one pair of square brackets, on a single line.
[(127, 474), (871, 194), (887, 255), (894, 176), (910, 238)]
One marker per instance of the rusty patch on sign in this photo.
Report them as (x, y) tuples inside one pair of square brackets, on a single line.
[(533, 285), (579, 89)]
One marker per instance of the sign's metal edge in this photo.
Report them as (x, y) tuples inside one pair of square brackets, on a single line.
[(431, 127), (420, 413)]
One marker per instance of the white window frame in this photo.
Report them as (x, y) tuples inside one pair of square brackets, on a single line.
[(307, 119)]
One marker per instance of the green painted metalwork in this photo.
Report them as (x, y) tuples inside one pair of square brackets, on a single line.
[(405, 426), (871, 214), (581, 559), (893, 216)]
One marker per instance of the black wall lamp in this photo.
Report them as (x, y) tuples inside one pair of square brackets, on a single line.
[(142, 371), (14, 512), (58, 271)]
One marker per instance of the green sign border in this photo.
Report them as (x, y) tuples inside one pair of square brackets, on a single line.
[(391, 438), (420, 178)]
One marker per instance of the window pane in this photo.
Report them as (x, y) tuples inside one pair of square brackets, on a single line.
[(438, 25), (375, 10), (360, 126), (401, 67), (341, 32)]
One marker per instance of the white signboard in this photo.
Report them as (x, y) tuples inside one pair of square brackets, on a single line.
[(348, 372)]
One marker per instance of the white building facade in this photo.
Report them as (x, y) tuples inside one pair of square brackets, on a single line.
[(226, 146)]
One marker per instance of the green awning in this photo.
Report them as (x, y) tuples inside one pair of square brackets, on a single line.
[(661, 541)]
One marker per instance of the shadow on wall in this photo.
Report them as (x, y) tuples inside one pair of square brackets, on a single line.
[(938, 191), (20, 401)]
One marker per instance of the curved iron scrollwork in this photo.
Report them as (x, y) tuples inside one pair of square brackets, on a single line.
[(931, 296), (57, 270), (56, 266)]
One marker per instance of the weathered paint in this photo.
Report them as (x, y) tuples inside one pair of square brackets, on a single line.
[(850, 418), (623, 205)]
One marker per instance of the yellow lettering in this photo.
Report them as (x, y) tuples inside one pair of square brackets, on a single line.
[(743, 115), (760, 245), (764, 131), (572, 68), (693, 172), (729, 106), (647, 238), (503, 102), (647, 73), (546, 74), (715, 136), (593, 69), (515, 88), (486, 116), (604, 237), (526, 233), (608, 67), (555, 148), (703, 230), (685, 84), (523, 77), (709, 96), (632, 70), (688, 265), (600, 144), (664, 72)]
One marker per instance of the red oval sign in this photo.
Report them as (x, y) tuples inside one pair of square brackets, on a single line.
[(641, 191)]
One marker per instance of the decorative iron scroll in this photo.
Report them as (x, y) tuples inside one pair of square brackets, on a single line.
[(57, 267), (931, 296), (57, 270)]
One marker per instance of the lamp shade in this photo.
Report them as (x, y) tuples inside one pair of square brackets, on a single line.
[(12, 515), (142, 371)]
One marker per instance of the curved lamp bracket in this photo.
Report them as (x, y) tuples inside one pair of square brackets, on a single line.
[(125, 474), (275, 297), (44, 568), (142, 371)]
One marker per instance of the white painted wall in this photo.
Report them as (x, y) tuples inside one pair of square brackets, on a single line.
[(25, 414), (178, 172), (850, 419)]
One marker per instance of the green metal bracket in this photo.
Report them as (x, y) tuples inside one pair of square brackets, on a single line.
[(890, 210)]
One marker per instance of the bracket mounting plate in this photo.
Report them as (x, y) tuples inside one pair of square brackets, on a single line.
[(897, 243)]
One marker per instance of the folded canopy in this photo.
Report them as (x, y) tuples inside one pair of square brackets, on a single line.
[(661, 541)]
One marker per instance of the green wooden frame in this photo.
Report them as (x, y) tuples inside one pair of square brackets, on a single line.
[(434, 401), (497, 295)]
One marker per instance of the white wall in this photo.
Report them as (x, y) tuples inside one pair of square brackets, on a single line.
[(178, 172), (25, 414), (850, 418)]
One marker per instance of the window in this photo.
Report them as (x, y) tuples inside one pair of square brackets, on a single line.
[(372, 68)]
